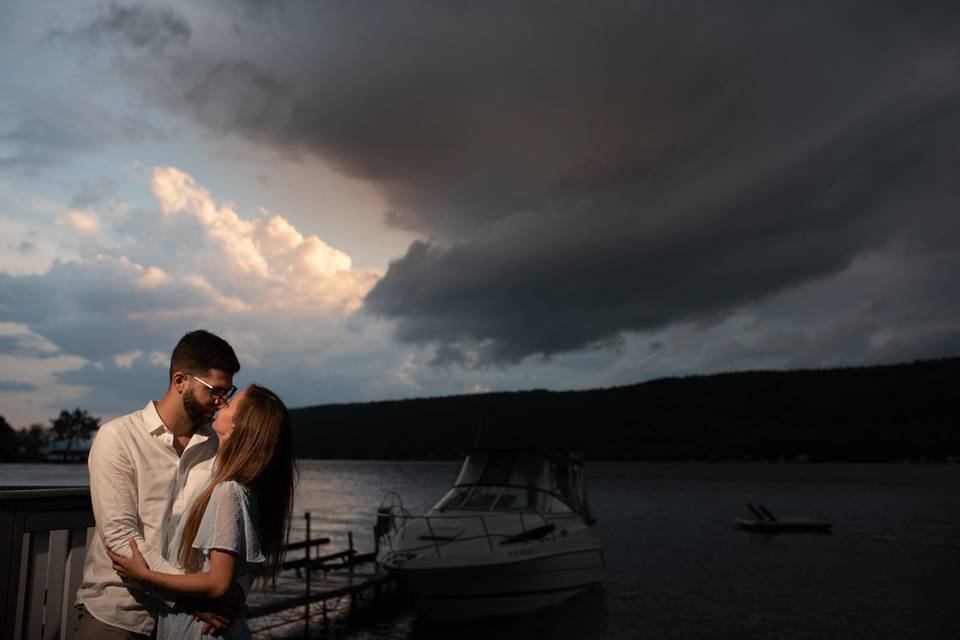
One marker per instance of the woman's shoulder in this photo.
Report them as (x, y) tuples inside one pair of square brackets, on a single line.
[(230, 500), (234, 485), (231, 488)]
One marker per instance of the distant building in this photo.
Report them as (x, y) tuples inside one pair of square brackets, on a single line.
[(57, 451)]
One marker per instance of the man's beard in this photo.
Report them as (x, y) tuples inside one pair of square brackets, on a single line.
[(195, 411)]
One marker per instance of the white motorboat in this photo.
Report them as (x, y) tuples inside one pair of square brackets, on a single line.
[(513, 535)]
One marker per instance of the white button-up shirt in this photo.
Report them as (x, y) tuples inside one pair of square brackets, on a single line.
[(140, 488)]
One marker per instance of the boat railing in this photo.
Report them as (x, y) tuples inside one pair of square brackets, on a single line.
[(43, 542), (401, 521)]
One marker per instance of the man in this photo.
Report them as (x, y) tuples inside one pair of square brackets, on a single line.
[(145, 470)]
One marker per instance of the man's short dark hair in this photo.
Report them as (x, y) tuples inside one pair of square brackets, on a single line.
[(199, 351)]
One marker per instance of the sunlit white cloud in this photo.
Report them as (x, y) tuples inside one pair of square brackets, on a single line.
[(285, 268), (178, 193), (126, 360), (282, 297), (25, 340), (37, 389), (407, 372), (83, 222), (212, 298), (153, 278), (158, 358)]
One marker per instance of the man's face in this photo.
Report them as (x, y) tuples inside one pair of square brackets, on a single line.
[(198, 401)]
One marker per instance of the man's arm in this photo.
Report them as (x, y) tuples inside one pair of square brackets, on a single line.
[(113, 494)]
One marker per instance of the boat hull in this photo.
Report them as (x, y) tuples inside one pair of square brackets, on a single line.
[(787, 525), (460, 593)]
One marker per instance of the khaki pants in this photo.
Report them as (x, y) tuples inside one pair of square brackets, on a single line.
[(89, 628)]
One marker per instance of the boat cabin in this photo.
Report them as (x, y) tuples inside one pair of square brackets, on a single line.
[(508, 480)]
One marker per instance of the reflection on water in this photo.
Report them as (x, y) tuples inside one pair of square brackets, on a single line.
[(43, 475), (343, 496), (583, 617)]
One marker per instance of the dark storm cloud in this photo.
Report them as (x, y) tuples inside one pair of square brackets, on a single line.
[(9, 385), (47, 128), (255, 92), (524, 288), (118, 390), (95, 310), (24, 346), (92, 194), (141, 26), (587, 171)]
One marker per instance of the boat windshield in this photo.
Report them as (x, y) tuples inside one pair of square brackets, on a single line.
[(486, 498), (516, 468), (515, 481)]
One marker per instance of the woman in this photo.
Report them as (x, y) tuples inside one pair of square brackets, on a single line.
[(229, 533)]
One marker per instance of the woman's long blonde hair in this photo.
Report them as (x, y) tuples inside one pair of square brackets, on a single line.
[(258, 455)]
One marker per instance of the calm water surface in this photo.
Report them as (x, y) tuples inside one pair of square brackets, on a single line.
[(677, 567)]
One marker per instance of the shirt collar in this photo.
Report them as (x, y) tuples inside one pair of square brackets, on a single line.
[(152, 422)]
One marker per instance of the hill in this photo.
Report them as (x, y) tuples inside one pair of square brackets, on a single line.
[(880, 413)]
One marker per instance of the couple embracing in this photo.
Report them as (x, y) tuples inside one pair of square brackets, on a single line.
[(192, 498)]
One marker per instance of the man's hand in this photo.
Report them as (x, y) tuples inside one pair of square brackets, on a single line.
[(219, 614), (234, 603), (214, 623)]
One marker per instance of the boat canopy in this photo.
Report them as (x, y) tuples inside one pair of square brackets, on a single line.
[(499, 480)]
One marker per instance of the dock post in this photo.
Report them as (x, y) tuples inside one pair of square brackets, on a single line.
[(376, 551), (352, 552), (353, 594), (306, 606)]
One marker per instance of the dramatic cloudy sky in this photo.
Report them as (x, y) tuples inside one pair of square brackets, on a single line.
[(378, 200)]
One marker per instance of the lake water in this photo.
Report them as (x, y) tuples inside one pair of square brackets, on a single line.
[(677, 566)]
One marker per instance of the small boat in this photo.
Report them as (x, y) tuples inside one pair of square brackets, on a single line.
[(766, 522), (512, 536)]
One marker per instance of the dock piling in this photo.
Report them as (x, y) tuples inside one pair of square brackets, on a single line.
[(306, 607)]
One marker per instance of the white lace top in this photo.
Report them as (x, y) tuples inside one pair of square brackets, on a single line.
[(228, 524)]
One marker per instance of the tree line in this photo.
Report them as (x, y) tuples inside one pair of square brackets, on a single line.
[(879, 413), (30, 443)]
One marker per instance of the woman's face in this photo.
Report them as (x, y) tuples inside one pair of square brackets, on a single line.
[(223, 424)]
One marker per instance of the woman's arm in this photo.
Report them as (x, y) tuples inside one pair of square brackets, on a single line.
[(214, 583)]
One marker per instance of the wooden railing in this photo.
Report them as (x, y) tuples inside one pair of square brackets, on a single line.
[(43, 542)]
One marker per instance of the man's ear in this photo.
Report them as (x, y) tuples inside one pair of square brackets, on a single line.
[(179, 380)]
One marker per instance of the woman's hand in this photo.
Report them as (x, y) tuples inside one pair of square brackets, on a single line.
[(134, 567)]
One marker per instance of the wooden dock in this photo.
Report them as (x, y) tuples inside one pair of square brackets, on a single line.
[(315, 589), (43, 538)]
